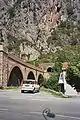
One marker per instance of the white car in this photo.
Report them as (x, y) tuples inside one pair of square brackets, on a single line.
[(30, 85)]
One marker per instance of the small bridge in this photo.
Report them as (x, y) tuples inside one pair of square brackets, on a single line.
[(14, 70)]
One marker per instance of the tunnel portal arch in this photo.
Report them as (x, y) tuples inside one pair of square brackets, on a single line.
[(49, 69), (31, 75), (16, 77), (40, 79)]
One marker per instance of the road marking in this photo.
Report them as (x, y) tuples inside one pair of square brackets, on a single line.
[(34, 99), (38, 113), (2, 109), (71, 117), (57, 115)]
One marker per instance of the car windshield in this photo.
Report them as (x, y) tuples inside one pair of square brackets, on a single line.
[(28, 82)]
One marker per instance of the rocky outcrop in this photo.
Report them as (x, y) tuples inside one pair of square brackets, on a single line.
[(26, 24)]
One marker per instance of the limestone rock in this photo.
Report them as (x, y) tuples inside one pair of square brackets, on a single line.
[(31, 22)]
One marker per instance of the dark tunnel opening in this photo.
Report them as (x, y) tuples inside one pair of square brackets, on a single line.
[(31, 76), (16, 77)]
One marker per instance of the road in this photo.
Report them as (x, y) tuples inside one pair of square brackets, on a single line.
[(28, 106)]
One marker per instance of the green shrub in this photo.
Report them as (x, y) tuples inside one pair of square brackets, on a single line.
[(73, 76), (52, 83), (1, 87), (41, 81)]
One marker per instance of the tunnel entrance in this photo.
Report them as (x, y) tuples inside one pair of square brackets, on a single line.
[(16, 77), (31, 76), (40, 79), (49, 69)]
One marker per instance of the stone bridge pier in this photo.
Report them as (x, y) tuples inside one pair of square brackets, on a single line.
[(14, 70)]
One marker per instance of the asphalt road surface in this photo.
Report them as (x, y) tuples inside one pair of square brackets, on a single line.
[(28, 106)]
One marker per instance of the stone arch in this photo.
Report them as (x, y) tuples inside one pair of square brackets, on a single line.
[(15, 77), (31, 75), (49, 69), (40, 79)]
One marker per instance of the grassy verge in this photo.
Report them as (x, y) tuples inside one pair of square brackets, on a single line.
[(9, 88), (52, 92)]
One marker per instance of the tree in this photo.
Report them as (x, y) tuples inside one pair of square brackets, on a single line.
[(73, 76), (52, 82)]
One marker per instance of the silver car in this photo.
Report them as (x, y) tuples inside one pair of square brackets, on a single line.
[(30, 85)]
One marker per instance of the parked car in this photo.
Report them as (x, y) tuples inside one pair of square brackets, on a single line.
[(30, 85)]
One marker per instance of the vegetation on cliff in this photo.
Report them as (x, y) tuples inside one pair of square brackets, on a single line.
[(31, 24)]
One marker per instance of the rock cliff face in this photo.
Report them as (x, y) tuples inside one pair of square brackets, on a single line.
[(25, 25)]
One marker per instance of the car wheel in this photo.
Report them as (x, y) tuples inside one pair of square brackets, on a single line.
[(39, 90), (34, 90), (22, 91)]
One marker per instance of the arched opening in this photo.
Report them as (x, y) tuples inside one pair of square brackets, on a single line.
[(49, 69), (16, 77), (31, 76), (40, 79)]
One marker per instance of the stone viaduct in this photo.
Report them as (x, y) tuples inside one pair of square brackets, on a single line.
[(14, 70)]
